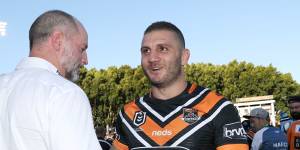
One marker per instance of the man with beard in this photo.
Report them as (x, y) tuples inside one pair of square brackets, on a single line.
[(40, 108), (266, 136), (293, 133), (175, 114)]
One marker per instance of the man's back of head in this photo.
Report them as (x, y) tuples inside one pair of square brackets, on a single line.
[(46, 23), (60, 39)]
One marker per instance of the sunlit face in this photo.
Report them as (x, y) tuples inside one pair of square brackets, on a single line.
[(74, 55), (162, 57)]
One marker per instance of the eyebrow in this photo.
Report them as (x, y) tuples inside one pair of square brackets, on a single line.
[(143, 47), (164, 44), (160, 44)]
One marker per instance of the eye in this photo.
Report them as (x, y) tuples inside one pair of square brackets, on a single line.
[(163, 49), (145, 50), (83, 49)]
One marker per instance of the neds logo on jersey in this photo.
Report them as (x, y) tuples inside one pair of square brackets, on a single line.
[(139, 118), (165, 132), (234, 131)]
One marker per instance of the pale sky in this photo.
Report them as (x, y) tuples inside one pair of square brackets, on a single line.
[(261, 32)]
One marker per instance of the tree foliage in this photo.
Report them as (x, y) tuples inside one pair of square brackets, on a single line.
[(108, 90)]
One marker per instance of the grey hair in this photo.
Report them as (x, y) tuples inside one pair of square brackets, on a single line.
[(45, 24)]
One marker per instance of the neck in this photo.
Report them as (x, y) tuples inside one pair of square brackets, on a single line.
[(170, 91), (47, 55)]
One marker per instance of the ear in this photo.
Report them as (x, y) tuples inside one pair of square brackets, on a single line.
[(56, 40), (185, 56)]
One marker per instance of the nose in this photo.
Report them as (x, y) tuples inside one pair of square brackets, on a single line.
[(154, 56), (84, 59)]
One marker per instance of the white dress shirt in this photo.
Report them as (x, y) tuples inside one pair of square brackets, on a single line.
[(41, 110)]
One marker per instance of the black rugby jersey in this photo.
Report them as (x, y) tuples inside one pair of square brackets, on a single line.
[(197, 119)]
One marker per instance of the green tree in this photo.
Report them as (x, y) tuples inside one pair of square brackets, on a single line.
[(109, 89)]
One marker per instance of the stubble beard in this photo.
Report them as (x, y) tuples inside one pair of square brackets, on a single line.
[(71, 66), (171, 76)]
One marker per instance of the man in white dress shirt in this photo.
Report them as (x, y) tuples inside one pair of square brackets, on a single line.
[(40, 108)]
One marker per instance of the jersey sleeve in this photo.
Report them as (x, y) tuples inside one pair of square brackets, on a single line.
[(290, 136), (257, 141), (120, 142), (71, 123), (229, 133)]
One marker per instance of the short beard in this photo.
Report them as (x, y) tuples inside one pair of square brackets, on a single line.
[(72, 75), (72, 69)]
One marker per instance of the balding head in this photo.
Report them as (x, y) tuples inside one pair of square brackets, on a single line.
[(49, 21)]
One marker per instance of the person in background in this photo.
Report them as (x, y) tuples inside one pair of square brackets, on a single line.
[(293, 133), (285, 121), (266, 136), (111, 135), (248, 130), (101, 135), (175, 114), (40, 106)]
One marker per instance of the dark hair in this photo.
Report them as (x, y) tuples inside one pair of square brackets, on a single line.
[(100, 132), (44, 25), (292, 99), (163, 25)]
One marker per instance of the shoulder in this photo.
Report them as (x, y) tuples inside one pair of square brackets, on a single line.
[(217, 106), (296, 122), (132, 105), (295, 125), (39, 78), (4, 79), (270, 133), (54, 81), (275, 132), (209, 100), (263, 130), (258, 136), (59, 90), (104, 144)]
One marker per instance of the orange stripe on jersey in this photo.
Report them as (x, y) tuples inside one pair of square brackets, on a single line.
[(163, 135), (119, 146), (192, 88), (233, 147), (153, 130), (207, 103), (292, 134), (130, 109)]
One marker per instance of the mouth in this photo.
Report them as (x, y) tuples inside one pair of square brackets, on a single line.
[(155, 69)]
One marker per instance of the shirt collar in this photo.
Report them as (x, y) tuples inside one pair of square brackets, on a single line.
[(36, 62)]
